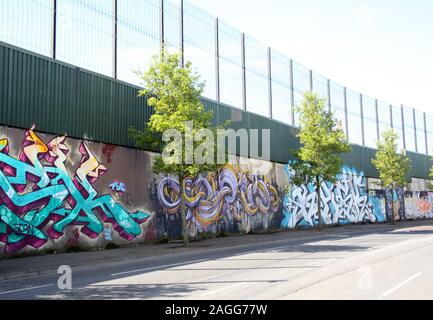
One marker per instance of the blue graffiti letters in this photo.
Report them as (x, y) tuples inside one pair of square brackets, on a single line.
[(38, 198)]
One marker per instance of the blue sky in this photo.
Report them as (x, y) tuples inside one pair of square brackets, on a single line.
[(382, 48)]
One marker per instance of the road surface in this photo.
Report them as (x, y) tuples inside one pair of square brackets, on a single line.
[(393, 263)]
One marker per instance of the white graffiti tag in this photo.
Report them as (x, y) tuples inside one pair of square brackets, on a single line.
[(346, 201)]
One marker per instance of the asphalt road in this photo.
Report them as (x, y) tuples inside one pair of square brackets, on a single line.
[(372, 264)]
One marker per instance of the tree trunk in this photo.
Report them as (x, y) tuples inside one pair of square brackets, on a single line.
[(319, 206), (392, 206), (185, 233)]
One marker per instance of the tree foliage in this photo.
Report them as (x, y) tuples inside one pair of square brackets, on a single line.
[(322, 144), (393, 167), (430, 182), (173, 91)]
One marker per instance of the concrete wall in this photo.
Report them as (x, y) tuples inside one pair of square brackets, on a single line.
[(58, 193)]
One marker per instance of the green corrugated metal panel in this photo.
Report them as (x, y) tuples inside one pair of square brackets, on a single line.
[(281, 134), (360, 158), (420, 165), (59, 98)]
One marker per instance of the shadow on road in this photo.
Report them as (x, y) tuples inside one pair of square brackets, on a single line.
[(99, 282), (107, 286), (123, 292), (323, 248), (143, 291)]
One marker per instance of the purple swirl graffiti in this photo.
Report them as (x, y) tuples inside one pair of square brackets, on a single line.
[(230, 192)]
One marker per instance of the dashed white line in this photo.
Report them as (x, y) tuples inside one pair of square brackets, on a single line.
[(196, 261), (209, 293), (26, 289), (391, 291)]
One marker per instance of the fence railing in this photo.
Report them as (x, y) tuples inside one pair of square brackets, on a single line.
[(117, 38)]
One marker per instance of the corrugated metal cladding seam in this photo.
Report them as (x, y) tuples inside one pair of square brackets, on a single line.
[(59, 98)]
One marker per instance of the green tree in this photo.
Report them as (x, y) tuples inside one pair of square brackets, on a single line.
[(322, 144), (393, 167), (178, 117), (429, 183)]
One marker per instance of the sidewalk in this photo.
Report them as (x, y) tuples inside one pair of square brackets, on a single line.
[(37, 265)]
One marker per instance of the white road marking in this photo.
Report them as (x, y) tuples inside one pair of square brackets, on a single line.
[(209, 293), (195, 261), (277, 248), (158, 267), (26, 289), (401, 284), (260, 251)]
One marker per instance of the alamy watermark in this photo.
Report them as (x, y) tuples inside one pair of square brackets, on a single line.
[(65, 280), (199, 146), (365, 280)]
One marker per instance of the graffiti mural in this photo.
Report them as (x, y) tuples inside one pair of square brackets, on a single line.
[(222, 198), (56, 195), (346, 201), (39, 198), (419, 205), (118, 186), (397, 197)]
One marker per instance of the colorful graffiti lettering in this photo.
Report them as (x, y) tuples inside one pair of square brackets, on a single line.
[(118, 186), (36, 189), (107, 234), (419, 205), (396, 197), (49, 192), (228, 193), (343, 202)]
